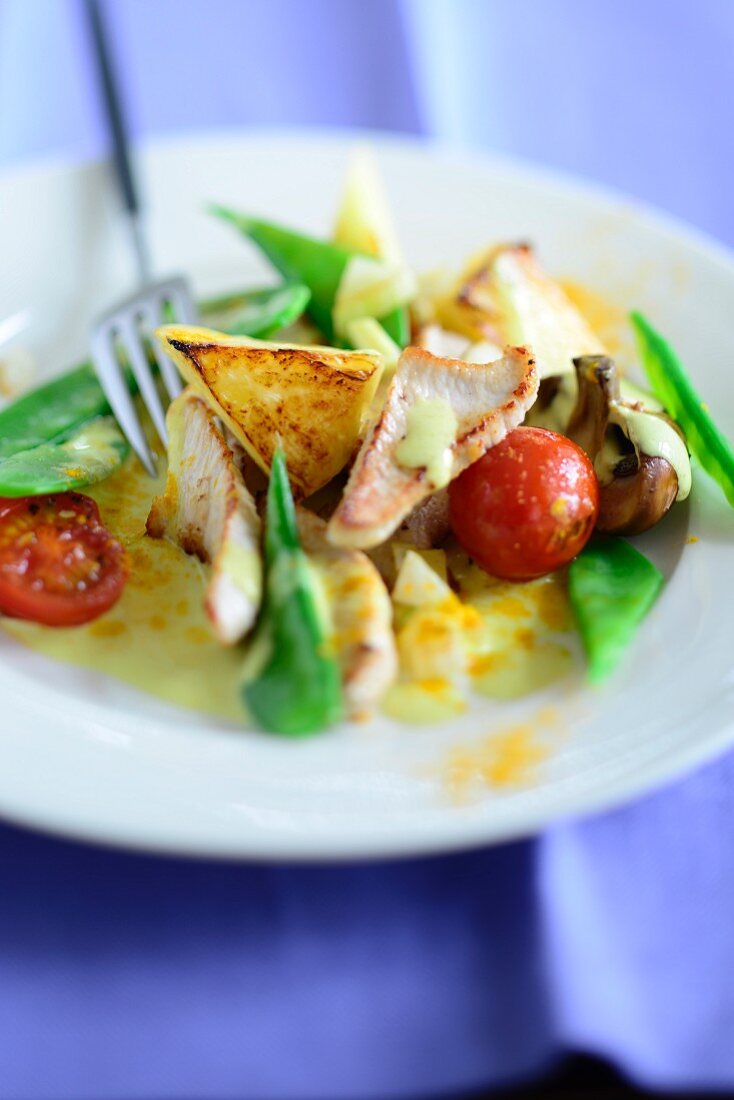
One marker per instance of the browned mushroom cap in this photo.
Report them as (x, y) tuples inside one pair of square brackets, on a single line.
[(630, 505), (643, 487)]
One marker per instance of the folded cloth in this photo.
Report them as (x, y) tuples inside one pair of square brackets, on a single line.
[(124, 975), (639, 937), (132, 976)]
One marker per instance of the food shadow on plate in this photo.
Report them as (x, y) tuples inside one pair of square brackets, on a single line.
[(664, 544)]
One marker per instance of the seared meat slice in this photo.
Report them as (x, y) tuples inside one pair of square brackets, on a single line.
[(478, 404), (206, 509)]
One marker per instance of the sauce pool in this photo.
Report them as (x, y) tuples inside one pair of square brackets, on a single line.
[(156, 638)]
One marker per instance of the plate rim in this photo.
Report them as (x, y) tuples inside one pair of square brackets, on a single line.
[(553, 176), (650, 780), (438, 839)]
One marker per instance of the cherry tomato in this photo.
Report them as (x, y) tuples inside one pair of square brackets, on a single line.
[(58, 565), (527, 506)]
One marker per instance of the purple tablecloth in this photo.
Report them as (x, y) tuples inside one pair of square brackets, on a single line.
[(127, 976), (143, 979)]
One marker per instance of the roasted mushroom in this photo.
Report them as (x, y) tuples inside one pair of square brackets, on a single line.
[(639, 455)]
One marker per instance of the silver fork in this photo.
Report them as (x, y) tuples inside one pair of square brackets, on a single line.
[(118, 336), (121, 334)]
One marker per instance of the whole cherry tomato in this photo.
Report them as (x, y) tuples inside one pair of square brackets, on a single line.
[(528, 506)]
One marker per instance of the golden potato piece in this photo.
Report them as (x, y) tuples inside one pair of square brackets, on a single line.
[(311, 399)]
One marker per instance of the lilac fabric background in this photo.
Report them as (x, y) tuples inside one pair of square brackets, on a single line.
[(124, 976)]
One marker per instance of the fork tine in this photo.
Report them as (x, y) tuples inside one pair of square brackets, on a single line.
[(129, 325), (111, 379), (169, 374), (184, 305), (135, 353)]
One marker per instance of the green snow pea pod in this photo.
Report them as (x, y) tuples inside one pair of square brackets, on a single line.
[(257, 313), (296, 689), (612, 587), (673, 388), (91, 454), (320, 265), (51, 411)]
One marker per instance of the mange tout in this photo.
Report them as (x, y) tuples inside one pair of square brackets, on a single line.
[(322, 266), (675, 391), (291, 677)]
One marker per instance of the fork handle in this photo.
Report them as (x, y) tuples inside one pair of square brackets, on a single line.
[(118, 131)]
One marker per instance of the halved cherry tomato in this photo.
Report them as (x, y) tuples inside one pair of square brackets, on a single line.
[(528, 506), (58, 564)]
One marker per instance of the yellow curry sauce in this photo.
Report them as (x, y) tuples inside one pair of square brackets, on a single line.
[(499, 640), (506, 758), (156, 637), (512, 639)]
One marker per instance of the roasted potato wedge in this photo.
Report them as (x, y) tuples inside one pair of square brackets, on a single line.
[(311, 399)]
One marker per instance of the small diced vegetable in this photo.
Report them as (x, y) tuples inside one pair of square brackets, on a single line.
[(363, 223), (370, 287), (434, 557), (432, 643), (417, 585)]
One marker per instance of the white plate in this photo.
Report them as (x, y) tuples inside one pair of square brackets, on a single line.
[(85, 756)]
